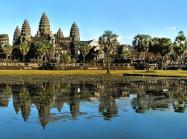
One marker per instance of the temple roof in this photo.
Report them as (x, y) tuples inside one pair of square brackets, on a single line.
[(17, 33), (74, 32), (44, 26), (59, 34), (26, 30)]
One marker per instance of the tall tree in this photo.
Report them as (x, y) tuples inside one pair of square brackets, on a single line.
[(126, 53), (123, 51), (24, 49), (7, 50), (108, 42), (84, 49), (141, 43), (155, 46), (165, 47), (65, 58), (180, 45), (44, 49)]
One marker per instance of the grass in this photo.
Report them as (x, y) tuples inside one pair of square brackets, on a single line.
[(59, 72), (166, 73)]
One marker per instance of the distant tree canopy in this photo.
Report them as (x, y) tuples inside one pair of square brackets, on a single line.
[(106, 50), (44, 48), (109, 41), (180, 44), (141, 42), (84, 49), (65, 58)]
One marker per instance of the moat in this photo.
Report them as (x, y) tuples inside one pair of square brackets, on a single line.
[(133, 108)]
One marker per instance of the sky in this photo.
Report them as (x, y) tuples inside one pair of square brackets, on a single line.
[(126, 18)]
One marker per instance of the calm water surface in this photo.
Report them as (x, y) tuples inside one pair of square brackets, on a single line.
[(126, 109)]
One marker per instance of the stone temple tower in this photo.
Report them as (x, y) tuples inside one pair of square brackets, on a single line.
[(16, 37), (74, 32), (59, 34), (25, 32), (4, 39), (44, 27)]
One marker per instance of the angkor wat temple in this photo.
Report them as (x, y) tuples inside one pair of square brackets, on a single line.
[(60, 43), (44, 32)]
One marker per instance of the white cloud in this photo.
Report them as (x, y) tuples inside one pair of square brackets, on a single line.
[(172, 28), (120, 38), (128, 39)]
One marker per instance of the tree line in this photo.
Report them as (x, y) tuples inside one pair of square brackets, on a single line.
[(113, 52), (163, 46)]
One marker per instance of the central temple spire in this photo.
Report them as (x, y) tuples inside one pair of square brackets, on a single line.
[(25, 32), (74, 32), (44, 26)]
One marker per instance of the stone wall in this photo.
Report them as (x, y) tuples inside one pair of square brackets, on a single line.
[(75, 66)]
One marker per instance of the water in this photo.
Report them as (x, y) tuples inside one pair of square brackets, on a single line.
[(125, 109)]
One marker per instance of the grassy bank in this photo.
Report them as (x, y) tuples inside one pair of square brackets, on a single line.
[(157, 73), (59, 72), (166, 73)]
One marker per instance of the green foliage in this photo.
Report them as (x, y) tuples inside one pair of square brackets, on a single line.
[(180, 44), (24, 95), (24, 48), (7, 50), (160, 45), (126, 53), (84, 48), (65, 58), (155, 45), (123, 52), (109, 41), (141, 42), (165, 46), (44, 48)]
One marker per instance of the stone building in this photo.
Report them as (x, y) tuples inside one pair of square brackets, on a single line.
[(74, 32), (44, 30), (61, 43), (17, 35), (4, 39), (25, 32)]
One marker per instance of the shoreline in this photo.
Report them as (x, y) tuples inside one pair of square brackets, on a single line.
[(98, 73)]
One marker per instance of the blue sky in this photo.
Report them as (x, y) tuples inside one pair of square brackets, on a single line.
[(124, 17)]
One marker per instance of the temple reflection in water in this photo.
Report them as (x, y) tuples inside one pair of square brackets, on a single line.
[(147, 95)]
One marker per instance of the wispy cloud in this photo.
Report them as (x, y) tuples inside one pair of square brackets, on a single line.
[(171, 28)]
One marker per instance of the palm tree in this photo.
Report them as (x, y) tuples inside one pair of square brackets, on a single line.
[(24, 49), (180, 45), (84, 49), (108, 42), (165, 47), (44, 49), (7, 50), (126, 53), (154, 46), (65, 58), (141, 43)]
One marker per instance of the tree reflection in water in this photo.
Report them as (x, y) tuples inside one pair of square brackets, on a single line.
[(108, 105), (160, 94)]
